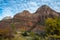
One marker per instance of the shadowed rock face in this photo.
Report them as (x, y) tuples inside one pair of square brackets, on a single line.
[(26, 20)]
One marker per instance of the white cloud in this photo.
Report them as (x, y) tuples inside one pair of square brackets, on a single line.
[(46, 0), (32, 3), (15, 6), (7, 12), (56, 3)]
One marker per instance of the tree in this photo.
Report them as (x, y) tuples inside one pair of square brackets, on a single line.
[(13, 27), (52, 26)]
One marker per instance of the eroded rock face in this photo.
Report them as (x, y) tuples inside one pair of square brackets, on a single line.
[(46, 12), (26, 20)]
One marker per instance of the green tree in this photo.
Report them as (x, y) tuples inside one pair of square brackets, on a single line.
[(13, 27), (52, 26)]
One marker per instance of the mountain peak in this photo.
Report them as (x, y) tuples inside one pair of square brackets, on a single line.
[(30, 22), (25, 12), (44, 9), (45, 6)]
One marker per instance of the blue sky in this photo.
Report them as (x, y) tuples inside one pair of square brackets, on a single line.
[(11, 7)]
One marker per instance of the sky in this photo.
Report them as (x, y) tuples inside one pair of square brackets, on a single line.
[(12, 7)]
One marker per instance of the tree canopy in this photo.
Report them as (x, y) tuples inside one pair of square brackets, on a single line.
[(53, 26)]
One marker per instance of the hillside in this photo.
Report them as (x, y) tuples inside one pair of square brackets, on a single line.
[(30, 21)]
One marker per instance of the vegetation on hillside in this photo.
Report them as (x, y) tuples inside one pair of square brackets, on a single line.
[(52, 32), (53, 27)]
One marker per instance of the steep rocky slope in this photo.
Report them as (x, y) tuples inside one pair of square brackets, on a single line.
[(30, 21)]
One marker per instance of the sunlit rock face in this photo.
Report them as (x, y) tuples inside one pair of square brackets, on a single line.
[(26, 20)]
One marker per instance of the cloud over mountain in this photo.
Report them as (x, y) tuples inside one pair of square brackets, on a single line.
[(15, 6)]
